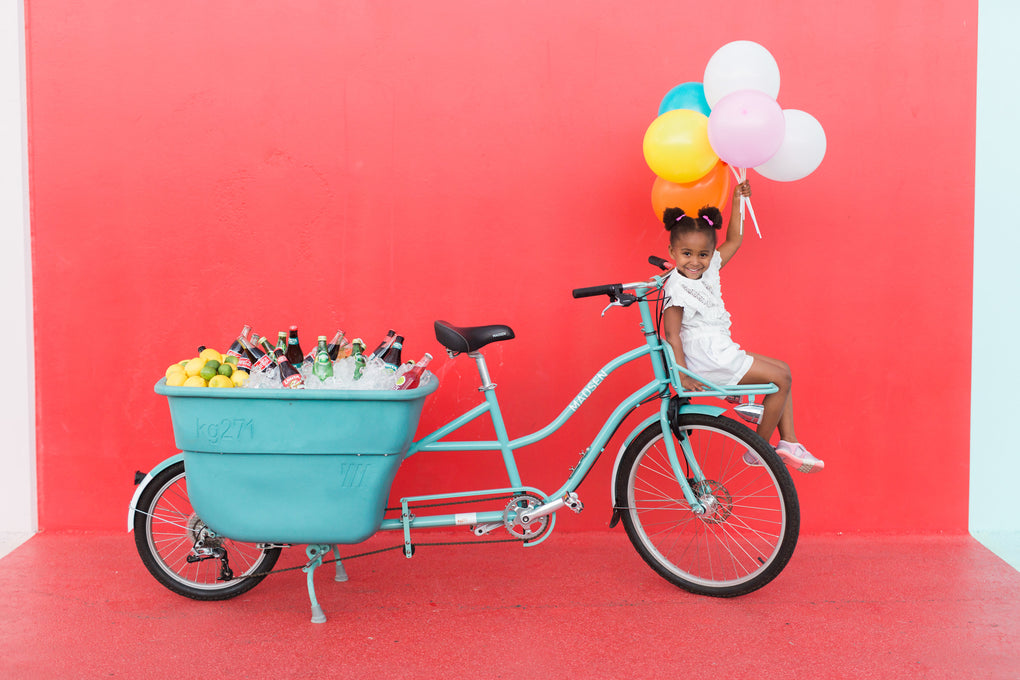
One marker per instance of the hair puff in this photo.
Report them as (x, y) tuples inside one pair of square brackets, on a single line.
[(670, 216), (711, 214)]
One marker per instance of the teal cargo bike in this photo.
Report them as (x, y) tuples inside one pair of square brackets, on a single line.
[(260, 470)]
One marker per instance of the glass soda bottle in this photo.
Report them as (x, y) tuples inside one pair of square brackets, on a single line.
[(290, 376), (358, 352), (391, 358), (294, 354), (412, 378), (385, 344), (338, 347), (267, 348), (260, 361), (323, 366), (241, 358), (281, 341)]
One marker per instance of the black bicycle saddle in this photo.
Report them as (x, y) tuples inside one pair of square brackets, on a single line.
[(470, 338)]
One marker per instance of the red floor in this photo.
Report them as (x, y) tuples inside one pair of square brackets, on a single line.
[(579, 606)]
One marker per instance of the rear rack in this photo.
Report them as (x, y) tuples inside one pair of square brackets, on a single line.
[(713, 390)]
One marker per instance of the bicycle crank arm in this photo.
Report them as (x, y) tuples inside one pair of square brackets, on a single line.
[(567, 500), (482, 529)]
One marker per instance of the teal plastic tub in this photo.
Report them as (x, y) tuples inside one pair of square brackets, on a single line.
[(293, 466)]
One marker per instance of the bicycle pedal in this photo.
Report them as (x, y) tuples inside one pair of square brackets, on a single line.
[(573, 502)]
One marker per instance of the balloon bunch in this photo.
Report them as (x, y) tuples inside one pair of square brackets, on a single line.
[(730, 119)]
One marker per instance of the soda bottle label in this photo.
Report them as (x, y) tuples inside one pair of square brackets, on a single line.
[(294, 381), (263, 363), (244, 363)]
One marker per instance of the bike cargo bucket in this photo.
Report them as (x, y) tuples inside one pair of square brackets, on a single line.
[(293, 466)]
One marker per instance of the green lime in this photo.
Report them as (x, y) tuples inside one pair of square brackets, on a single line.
[(225, 369), (207, 372), (213, 363)]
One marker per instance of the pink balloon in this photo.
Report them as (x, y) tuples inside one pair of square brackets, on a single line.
[(746, 128)]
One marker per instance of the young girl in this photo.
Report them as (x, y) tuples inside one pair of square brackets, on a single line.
[(697, 325)]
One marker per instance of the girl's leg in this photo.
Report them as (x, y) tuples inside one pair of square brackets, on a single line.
[(778, 405)]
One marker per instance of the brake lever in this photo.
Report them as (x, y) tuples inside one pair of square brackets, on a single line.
[(623, 300)]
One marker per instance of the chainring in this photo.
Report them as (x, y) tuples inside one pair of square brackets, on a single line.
[(512, 521)]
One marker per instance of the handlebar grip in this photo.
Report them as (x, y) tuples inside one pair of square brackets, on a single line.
[(658, 262), (613, 289)]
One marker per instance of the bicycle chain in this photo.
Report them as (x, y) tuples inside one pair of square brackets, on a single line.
[(376, 552), (401, 545)]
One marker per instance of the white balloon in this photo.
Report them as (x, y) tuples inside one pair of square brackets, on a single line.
[(740, 65), (801, 152)]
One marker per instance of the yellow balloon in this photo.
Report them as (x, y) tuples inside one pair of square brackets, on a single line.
[(676, 146)]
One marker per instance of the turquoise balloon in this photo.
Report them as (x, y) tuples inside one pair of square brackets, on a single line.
[(690, 96)]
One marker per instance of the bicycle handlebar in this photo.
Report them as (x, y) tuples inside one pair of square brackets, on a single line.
[(613, 290)]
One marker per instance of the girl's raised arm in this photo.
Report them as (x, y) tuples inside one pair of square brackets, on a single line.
[(733, 231)]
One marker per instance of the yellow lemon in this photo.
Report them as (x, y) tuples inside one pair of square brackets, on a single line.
[(210, 353), (239, 378), (221, 381), (194, 367), (195, 381), (175, 368), (177, 379)]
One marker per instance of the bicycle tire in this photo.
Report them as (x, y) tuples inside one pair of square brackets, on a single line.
[(165, 526), (751, 528)]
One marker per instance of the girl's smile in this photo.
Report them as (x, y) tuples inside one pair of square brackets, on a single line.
[(692, 253)]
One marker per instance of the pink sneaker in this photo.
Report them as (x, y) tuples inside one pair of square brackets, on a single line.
[(797, 457)]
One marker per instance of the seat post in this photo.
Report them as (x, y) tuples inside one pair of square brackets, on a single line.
[(483, 372), (489, 389)]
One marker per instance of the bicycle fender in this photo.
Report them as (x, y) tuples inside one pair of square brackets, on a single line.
[(704, 409), (145, 482)]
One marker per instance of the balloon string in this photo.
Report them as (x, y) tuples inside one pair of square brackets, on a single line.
[(742, 177)]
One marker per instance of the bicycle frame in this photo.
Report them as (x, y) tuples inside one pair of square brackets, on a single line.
[(666, 377)]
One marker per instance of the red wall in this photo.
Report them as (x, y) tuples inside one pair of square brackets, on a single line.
[(195, 166)]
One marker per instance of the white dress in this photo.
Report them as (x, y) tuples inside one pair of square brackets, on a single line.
[(705, 331)]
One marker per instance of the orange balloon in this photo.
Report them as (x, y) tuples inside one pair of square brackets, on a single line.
[(712, 189)]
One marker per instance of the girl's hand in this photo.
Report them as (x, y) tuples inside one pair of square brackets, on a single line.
[(742, 189), (690, 384)]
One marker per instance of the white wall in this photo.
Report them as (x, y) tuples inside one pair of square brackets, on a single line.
[(17, 393), (995, 401)]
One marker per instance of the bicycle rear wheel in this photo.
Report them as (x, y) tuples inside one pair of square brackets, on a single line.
[(750, 528), (166, 528)]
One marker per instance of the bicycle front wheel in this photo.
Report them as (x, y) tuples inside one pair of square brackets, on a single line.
[(166, 528), (752, 519)]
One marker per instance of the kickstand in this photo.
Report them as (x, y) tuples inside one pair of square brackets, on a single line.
[(341, 573), (315, 553)]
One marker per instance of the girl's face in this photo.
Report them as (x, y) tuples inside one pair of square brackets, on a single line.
[(692, 253)]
